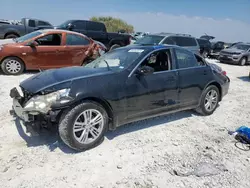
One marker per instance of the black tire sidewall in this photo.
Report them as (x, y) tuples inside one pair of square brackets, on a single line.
[(202, 102), (12, 36), (3, 66), (68, 119), (242, 60)]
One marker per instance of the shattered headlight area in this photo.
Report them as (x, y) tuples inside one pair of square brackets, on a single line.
[(43, 103)]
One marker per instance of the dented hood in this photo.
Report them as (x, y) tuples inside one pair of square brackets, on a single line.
[(55, 78)]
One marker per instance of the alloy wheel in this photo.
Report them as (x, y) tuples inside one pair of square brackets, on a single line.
[(88, 126), (211, 100)]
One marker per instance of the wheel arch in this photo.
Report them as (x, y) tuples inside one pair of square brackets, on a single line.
[(105, 104), (218, 86), (14, 57), (11, 33)]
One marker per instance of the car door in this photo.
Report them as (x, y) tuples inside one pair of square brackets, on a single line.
[(194, 75), (48, 54), (154, 93), (77, 48)]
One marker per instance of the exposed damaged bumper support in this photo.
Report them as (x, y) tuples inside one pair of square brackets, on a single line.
[(32, 116)]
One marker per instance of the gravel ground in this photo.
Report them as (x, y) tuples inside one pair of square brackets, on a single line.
[(178, 150)]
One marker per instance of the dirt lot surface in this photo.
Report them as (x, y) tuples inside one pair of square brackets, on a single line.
[(178, 150)]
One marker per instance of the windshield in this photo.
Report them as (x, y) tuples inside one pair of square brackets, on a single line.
[(241, 46), (150, 39), (117, 59), (64, 24), (28, 36)]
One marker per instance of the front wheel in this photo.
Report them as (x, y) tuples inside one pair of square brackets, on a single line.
[(83, 126), (12, 66), (243, 61), (209, 100)]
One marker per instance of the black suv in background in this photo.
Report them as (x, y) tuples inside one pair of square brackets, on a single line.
[(216, 48), (205, 47), (97, 31), (183, 40)]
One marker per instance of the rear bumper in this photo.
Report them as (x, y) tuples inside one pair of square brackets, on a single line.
[(225, 88)]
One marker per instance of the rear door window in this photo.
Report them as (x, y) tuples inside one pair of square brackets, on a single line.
[(72, 39), (80, 25), (32, 23), (185, 58), (42, 23), (93, 26), (185, 41), (169, 40)]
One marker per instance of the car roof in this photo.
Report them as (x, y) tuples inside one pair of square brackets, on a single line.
[(60, 31), (150, 47), (171, 34)]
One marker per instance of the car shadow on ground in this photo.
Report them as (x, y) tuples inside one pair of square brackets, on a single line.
[(244, 78), (144, 124), (51, 138), (35, 138), (30, 72)]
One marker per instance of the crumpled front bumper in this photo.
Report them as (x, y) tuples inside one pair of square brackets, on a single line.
[(17, 106), (31, 116)]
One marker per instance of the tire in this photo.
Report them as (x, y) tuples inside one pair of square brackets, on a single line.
[(202, 109), (243, 61), (12, 66), (114, 47), (67, 126), (10, 36)]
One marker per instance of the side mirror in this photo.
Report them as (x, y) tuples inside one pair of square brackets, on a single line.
[(145, 70), (32, 43), (70, 26)]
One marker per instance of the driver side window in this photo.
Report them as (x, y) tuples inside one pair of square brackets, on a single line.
[(159, 61), (50, 40)]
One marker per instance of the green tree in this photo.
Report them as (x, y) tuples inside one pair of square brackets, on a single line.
[(114, 24)]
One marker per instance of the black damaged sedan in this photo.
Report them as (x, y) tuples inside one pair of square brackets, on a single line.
[(124, 85)]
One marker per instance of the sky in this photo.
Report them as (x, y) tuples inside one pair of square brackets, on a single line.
[(227, 20)]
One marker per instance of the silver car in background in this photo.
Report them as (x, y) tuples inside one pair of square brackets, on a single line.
[(237, 54), (183, 40)]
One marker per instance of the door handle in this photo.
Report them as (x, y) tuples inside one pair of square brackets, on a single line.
[(205, 72)]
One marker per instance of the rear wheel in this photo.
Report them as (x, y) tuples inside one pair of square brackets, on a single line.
[(83, 126), (209, 100), (243, 61), (12, 66), (9, 36)]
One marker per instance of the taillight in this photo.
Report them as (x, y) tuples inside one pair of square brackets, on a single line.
[(224, 73)]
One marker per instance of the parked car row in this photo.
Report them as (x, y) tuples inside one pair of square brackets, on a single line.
[(95, 30)]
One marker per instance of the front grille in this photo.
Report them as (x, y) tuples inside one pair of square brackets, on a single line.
[(229, 53)]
